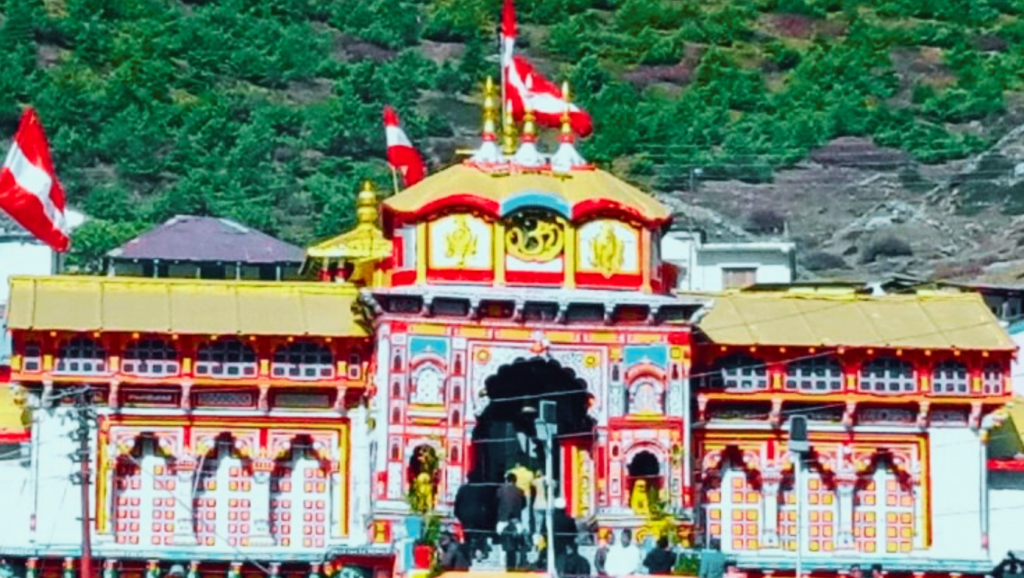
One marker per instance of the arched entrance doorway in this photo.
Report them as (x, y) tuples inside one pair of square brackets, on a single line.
[(644, 481), (505, 435)]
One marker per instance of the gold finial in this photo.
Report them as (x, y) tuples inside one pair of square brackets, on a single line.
[(509, 131), (529, 126), (566, 117), (366, 204), (490, 108)]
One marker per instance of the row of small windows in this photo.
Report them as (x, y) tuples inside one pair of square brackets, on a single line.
[(223, 359), (882, 375)]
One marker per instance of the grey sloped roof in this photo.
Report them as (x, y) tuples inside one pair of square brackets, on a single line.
[(187, 238)]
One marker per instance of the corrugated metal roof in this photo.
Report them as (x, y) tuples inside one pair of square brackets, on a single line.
[(207, 239), (1007, 440), (956, 320), (183, 306)]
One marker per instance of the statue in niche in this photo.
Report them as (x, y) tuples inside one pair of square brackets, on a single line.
[(646, 399), (639, 499)]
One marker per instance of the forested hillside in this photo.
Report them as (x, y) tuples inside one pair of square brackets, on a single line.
[(268, 111)]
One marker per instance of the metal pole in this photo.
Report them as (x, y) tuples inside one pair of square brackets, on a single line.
[(692, 178), (83, 424), (798, 488), (548, 487)]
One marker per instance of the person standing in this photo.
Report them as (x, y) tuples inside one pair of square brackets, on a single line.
[(712, 561), (624, 557), (511, 502), (514, 546), (661, 560)]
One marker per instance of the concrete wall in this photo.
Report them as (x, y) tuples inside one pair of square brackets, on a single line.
[(956, 477), (704, 264), (1006, 518), (22, 257)]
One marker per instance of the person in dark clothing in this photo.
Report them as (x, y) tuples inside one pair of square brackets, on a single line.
[(452, 555), (573, 565), (1009, 567), (712, 561), (511, 501), (513, 544), (565, 527), (661, 560), (474, 508)]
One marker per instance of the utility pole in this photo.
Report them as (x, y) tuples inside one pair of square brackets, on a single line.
[(547, 427), (86, 417), (799, 447)]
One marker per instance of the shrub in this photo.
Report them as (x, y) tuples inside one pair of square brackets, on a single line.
[(765, 222), (887, 246), (823, 261)]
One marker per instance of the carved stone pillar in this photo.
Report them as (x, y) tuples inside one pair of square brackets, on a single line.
[(846, 483), (771, 479), (360, 484), (184, 520), (262, 468)]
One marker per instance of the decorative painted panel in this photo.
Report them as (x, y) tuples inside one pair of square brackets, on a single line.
[(299, 503), (734, 511), (427, 385), (608, 247), (460, 241), (646, 398)]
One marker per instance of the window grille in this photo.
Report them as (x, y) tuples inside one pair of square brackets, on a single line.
[(741, 372), (992, 379), (303, 360), (951, 377), (32, 358), (819, 374), (226, 359), (151, 358), (887, 375), (81, 356)]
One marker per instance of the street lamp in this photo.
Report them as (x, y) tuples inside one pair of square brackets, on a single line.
[(547, 429), (799, 447)]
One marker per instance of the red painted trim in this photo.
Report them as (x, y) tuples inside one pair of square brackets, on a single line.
[(15, 437), (660, 424), (586, 280), (1006, 465), (534, 278), (401, 278), (461, 275), (468, 200), (600, 206), (5, 374)]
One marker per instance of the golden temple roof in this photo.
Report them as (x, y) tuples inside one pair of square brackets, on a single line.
[(186, 306), (365, 241), (939, 321), (573, 195)]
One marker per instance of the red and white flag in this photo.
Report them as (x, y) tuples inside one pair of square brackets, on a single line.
[(29, 190), (524, 85), (402, 156)]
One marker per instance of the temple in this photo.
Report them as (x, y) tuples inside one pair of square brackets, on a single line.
[(299, 427)]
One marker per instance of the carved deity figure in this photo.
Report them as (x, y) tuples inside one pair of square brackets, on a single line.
[(461, 242), (608, 251), (639, 499), (423, 493)]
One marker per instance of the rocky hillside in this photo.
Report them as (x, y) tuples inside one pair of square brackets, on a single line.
[(880, 134)]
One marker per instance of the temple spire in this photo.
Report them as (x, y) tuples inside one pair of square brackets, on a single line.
[(488, 153), (567, 158), (528, 155), (509, 131), (367, 210)]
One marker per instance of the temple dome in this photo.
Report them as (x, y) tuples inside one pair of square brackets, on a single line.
[(575, 195)]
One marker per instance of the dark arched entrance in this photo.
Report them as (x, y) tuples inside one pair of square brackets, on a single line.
[(505, 435)]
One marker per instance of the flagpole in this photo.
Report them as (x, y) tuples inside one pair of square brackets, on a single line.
[(501, 73), (394, 178)]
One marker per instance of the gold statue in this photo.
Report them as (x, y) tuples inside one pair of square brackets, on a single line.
[(608, 251), (508, 131), (423, 493), (639, 500), (460, 242)]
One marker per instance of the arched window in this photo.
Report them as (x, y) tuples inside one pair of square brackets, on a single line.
[(887, 375), (303, 360), (229, 358), (82, 356), (951, 377), (816, 374), (992, 379), (741, 372), (151, 358), (32, 357)]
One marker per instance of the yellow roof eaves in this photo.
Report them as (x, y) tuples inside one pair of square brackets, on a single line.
[(947, 321), (184, 306), (1007, 440)]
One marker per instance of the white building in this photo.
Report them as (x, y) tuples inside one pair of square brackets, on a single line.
[(1006, 483), (714, 267)]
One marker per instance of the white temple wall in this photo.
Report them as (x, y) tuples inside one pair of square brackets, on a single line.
[(956, 476), (1006, 513)]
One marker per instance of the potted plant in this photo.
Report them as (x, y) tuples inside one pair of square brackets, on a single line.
[(422, 497)]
